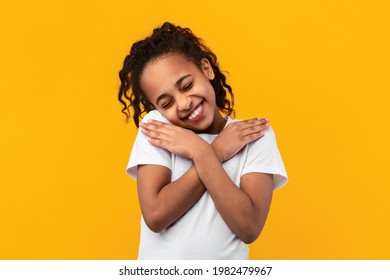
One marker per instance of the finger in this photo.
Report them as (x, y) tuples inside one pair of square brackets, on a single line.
[(159, 123), (254, 129), (244, 128), (253, 137), (155, 126), (257, 120), (146, 127), (156, 122), (263, 120), (152, 123), (255, 123), (159, 143), (154, 134), (146, 132), (142, 124)]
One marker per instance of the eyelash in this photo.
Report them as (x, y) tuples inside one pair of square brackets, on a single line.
[(166, 105), (188, 86)]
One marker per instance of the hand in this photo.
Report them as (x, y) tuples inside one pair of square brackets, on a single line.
[(175, 139), (236, 135)]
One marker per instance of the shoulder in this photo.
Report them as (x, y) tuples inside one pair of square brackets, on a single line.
[(154, 115), (265, 143), (269, 135), (263, 156)]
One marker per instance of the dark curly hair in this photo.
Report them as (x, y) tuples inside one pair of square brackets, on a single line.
[(168, 38)]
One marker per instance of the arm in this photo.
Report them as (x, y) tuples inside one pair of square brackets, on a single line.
[(244, 209), (163, 202), (252, 200)]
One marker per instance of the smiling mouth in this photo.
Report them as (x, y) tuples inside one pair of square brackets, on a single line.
[(196, 113)]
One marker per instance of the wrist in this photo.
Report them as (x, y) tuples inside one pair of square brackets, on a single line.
[(217, 152), (203, 151)]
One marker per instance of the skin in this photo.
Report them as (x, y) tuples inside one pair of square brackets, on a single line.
[(183, 94)]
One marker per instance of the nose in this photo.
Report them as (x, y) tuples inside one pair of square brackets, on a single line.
[(184, 102)]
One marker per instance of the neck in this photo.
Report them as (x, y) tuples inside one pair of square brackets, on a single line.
[(217, 126)]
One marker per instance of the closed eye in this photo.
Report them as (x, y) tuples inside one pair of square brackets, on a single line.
[(188, 86), (166, 104)]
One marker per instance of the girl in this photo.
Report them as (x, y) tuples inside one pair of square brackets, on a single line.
[(204, 181)]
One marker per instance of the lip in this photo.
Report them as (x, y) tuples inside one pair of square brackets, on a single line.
[(199, 116)]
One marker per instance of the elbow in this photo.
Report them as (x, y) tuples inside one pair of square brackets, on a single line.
[(249, 238), (154, 222), (155, 227), (250, 234)]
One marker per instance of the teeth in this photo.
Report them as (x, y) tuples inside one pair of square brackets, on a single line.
[(195, 113)]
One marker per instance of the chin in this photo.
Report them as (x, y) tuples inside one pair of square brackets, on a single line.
[(203, 128)]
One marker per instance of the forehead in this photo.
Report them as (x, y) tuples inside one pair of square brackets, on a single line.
[(162, 73)]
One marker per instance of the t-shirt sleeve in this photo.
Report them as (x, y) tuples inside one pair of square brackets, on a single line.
[(145, 153), (264, 157)]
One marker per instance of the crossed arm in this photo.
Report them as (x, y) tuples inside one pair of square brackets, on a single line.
[(244, 209)]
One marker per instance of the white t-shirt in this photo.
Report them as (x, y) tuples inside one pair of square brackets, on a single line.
[(201, 233)]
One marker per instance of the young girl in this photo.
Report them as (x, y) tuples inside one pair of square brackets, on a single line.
[(204, 181)]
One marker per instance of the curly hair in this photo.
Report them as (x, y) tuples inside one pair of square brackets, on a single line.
[(168, 38)]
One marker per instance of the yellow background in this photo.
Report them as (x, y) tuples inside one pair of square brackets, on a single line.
[(318, 69)]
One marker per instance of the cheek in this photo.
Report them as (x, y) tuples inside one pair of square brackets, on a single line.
[(211, 94), (210, 90), (205, 89), (170, 115)]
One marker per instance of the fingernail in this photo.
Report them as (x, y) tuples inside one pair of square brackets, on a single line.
[(267, 125), (267, 119)]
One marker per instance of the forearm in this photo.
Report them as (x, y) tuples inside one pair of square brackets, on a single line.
[(176, 198), (163, 207), (234, 205)]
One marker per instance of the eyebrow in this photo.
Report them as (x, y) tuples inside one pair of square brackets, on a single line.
[(177, 84)]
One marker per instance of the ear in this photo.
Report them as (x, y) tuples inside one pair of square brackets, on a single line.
[(207, 68)]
